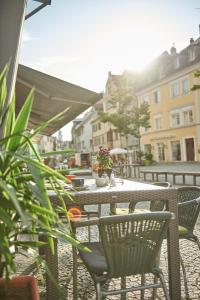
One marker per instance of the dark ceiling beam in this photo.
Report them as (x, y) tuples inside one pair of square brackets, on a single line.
[(33, 12)]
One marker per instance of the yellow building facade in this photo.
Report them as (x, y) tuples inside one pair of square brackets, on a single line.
[(175, 109)]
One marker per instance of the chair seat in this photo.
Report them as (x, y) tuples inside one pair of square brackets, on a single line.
[(94, 261), (182, 230)]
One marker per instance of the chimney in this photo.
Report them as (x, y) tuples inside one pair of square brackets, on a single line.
[(191, 41), (173, 50)]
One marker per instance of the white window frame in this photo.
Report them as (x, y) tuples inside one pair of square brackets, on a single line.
[(187, 109), (173, 113), (185, 79), (156, 118), (181, 112), (191, 54), (177, 62), (145, 98), (157, 96), (173, 94)]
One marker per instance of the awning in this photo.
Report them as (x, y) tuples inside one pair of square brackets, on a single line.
[(52, 96)]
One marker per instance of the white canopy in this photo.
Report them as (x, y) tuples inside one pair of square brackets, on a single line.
[(118, 151)]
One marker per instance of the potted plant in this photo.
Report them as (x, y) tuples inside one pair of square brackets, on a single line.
[(148, 158), (140, 155), (105, 162), (25, 207)]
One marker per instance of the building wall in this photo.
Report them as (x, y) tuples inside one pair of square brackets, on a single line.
[(173, 129), (108, 135), (82, 132), (104, 134)]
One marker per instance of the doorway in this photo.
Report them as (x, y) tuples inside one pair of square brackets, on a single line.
[(189, 147), (161, 152)]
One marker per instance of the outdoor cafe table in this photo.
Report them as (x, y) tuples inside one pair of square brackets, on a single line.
[(123, 192)]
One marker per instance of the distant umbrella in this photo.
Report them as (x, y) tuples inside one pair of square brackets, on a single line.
[(117, 151)]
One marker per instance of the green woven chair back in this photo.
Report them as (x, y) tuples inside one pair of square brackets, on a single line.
[(187, 193), (132, 242), (159, 205), (188, 214)]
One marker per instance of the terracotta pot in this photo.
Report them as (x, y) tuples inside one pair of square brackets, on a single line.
[(20, 287)]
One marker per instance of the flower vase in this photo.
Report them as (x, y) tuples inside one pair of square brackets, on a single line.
[(106, 171)]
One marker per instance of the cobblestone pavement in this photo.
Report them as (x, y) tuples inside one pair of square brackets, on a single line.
[(86, 290), (189, 252)]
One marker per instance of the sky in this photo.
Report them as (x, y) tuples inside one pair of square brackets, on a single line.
[(80, 41)]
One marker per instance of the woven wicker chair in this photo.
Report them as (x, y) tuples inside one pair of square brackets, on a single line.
[(188, 212), (129, 246), (186, 193), (154, 205)]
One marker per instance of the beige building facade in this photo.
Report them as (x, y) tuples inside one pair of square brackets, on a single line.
[(175, 109)]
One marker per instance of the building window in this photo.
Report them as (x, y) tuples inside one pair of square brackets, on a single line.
[(158, 122), (185, 86), (161, 151), (175, 90), (109, 136), (182, 117), (175, 119), (176, 150), (147, 148), (145, 98), (96, 127), (177, 62), (157, 96), (187, 117), (191, 54), (116, 135)]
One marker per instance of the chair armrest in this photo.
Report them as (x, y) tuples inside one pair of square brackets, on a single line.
[(189, 202)]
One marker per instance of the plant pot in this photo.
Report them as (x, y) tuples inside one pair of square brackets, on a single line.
[(20, 287), (147, 162)]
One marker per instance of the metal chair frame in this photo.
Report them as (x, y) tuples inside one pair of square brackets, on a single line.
[(188, 213)]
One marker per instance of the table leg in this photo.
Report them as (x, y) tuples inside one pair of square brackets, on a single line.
[(183, 179), (165, 176), (173, 252), (174, 180), (123, 287)]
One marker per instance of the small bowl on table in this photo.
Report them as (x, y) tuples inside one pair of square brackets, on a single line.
[(78, 182)]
